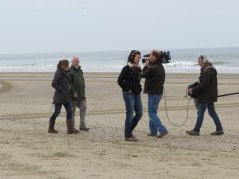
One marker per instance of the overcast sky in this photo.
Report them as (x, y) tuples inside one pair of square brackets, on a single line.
[(89, 25)]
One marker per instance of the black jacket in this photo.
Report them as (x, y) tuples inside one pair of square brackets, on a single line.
[(207, 88), (129, 79), (155, 77), (62, 87)]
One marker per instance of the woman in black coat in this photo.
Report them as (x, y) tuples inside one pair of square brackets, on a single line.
[(62, 97), (129, 81)]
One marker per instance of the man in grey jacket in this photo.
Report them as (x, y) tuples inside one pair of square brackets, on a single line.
[(77, 84)]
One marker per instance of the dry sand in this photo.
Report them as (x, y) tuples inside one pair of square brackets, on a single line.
[(28, 151)]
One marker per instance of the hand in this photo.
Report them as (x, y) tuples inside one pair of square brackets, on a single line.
[(75, 95), (190, 91), (146, 63)]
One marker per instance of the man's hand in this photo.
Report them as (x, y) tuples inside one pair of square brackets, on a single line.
[(190, 91), (146, 63), (75, 95)]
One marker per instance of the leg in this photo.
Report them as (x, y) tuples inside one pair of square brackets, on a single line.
[(53, 118), (138, 111), (153, 108), (73, 108), (152, 125), (200, 115), (82, 107), (68, 109), (69, 123), (214, 116), (129, 105), (56, 112)]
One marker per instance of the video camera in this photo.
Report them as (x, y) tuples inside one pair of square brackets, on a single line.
[(165, 57), (193, 85)]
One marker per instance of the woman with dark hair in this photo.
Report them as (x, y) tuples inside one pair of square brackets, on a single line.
[(129, 81), (62, 97)]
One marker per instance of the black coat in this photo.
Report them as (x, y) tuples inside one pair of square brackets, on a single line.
[(129, 79), (207, 88), (155, 77), (62, 87)]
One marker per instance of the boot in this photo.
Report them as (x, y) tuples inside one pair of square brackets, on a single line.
[(70, 129), (51, 127)]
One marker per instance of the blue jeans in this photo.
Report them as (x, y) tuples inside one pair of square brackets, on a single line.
[(133, 104), (200, 115), (58, 111), (155, 124)]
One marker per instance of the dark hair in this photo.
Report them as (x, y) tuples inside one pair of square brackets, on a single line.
[(156, 53), (132, 55), (63, 62)]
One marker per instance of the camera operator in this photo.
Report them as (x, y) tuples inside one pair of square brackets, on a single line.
[(155, 76), (207, 94)]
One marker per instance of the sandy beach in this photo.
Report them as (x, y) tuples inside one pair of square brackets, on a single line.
[(28, 151)]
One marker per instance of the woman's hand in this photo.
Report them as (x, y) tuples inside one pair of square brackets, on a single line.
[(75, 95)]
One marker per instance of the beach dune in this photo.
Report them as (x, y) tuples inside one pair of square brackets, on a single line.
[(28, 151)]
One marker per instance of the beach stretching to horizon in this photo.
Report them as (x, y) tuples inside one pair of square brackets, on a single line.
[(28, 151)]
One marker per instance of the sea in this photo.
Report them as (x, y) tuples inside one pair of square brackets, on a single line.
[(225, 60)]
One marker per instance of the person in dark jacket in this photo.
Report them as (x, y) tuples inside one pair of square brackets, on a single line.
[(129, 81), (62, 97), (207, 94), (78, 98), (154, 73)]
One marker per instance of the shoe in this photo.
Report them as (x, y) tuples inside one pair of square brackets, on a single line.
[(161, 135), (217, 133), (151, 135), (51, 127), (131, 139), (70, 129), (84, 128), (192, 132)]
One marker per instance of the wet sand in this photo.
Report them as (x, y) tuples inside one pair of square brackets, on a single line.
[(28, 151)]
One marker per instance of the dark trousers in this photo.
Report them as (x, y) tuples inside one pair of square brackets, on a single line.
[(200, 115), (133, 104), (58, 111)]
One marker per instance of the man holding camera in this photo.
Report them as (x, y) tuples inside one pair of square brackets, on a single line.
[(207, 93), (154, 84)]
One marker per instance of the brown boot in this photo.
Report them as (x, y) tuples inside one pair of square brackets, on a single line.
[(70, 129), (51, 127)]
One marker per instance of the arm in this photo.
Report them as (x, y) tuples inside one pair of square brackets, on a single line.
[(147, 72), (204, 83), (122, 78), (71, 78), (55, 82)]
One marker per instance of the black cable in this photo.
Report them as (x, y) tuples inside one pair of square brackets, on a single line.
[(229, 94), (166, 110)]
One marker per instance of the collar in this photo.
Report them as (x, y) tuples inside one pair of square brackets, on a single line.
[(131, 65)]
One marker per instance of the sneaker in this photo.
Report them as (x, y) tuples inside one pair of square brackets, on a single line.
[(217, 133), (84, 128), (161, 135), (192, 132)]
